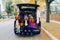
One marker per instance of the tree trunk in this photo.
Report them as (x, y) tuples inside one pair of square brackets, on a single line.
[(48, 13), (8, 15)]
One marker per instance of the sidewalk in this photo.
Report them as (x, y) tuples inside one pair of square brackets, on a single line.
[(58, 22), (52, 27), (2, 20)]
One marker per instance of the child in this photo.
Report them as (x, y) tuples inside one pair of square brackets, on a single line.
[(31, 22)]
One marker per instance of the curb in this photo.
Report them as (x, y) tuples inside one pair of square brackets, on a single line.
[(55, 21), (52, 21), (49, 34)]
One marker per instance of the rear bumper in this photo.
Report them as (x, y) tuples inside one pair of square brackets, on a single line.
[(26, 31)]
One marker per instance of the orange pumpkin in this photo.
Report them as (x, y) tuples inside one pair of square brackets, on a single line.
[(21, 24), (17, 17)]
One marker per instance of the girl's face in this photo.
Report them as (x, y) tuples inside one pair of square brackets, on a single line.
[(25, 18)]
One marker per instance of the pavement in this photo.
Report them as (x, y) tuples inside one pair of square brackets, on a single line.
[(7, 32), (53, 27), (2, 20)]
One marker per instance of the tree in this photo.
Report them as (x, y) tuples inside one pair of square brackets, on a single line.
[(9, 8), (0, 16), (48, 2), (0, 12)]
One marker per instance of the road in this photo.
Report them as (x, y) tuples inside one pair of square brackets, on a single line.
[(7, 33)]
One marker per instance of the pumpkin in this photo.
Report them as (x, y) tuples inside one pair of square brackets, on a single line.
[(17, 17), (21, 24)]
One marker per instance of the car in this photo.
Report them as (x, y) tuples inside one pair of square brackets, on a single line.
[(27, 22)]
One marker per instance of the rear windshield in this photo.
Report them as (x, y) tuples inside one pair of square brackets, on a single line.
[(24, 7)]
